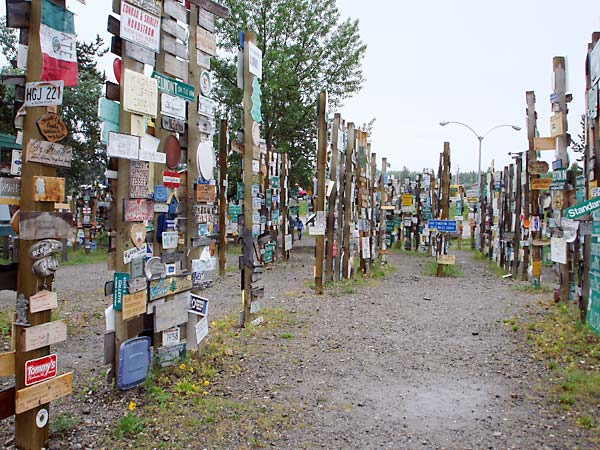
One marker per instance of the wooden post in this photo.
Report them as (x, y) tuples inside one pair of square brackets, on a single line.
[(348, 200), (222, 195), (27, 434), (340, 213), (283, 182), (332, 198), (531, 206), (517, 212), (560, 86), (321, 162), (372, 227), (248, 252), (445, 208), (382, 203), (418, 213), (360, 191)]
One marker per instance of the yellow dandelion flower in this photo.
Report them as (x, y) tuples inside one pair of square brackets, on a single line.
[(191, 370), (205, 393), (131, 406), (213, 324), (206, 383), (182, 366)]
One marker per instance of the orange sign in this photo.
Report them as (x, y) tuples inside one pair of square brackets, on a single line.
[(540, 184)]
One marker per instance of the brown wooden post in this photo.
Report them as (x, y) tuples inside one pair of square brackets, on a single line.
[(348, 200), (560, 86), (532, 208), (332, 201), (382, 203), (418, 213), (372, 227), (222, 195), (283, 182), (339, 239), (321, 162), (517, 213), (445, 208), (359, 192)]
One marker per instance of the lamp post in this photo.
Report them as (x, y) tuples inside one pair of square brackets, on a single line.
[(480, 138)]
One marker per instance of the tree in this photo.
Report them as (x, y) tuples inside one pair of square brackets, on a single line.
[(79, 109), (306, 48)]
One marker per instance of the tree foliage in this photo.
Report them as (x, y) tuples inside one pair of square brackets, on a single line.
[(306, 48), (79, 110)]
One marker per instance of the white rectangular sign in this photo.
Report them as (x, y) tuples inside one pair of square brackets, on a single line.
[(140, 95), (255, 60), (170, 337), (149, 150), (170, 239), (44, 93), (206, 106), (123, 145), (16, 163), (172, 106), (140, 27), (201, 329)]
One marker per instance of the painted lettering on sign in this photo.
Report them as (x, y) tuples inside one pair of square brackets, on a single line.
[(140, 93), (43, 335), (40, 369), (10, 190), (134, 304), (52, 127), (138, 210), (140, 27), (44, 93), (139, 175), (49, 153), (43, 301), (38, 394), (122, 145), (168, 286), (48, 189), (172, 106)]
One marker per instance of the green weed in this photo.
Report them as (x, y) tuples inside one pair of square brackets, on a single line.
[(453, 271), (63, 422), (129, 425)]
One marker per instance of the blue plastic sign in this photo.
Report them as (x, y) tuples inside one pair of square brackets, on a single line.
[(443, 226)]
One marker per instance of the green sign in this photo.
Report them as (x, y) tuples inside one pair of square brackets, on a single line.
[(120, 280), (234, 212), (593, 312), (581, 209), (174, 87), (240, 191)]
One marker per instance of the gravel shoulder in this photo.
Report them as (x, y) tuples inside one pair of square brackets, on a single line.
[(404, 361)]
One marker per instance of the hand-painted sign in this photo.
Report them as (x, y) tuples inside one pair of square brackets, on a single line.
[(48, 189), (38, 394), (206, 20), (443, 226), (582, 209), (172, 106), (139, 175), (140, 27), (168, 356), (123, 145), (152, 6), (174, 87), (167, 286), (138, 210), (540, 184), (140, 93), (10, 190), (43, 301), (43, 335), (44, 93), (170, 314), (446, 259), (149, 149), (172, 124), (134, 304), (35, 225), (537, 167), (45, 248), (120, 280), (52, 127), (206, 41), (40, 369), (49, 153)]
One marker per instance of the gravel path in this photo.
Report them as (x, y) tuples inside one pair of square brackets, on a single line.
[(405, 361)]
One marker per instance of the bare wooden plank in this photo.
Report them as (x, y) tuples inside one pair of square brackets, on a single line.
[(39, 394), (43, 301), (175, 67), (7, 364), (48, 189), (171, 45), (45, 225), (140, 53), (7, 403), (206, 20), (115, 45), (176, 10), (213, 7), (206, 41), (544, 143), (171, 26), (43, 335), (114, 26)]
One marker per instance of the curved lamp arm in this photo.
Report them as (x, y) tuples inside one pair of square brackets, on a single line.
[(514, 127), (466, 126)]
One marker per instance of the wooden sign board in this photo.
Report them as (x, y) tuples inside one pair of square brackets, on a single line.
[(173, 106), (140, 94), (49, 153), (138, 210), (206, 41), (10, 191), (139, 53), (170, 314), (175, 67), (212, 6), (7, 403), (176, 10), (446, 259), (206, 193), (139, 177), (48, 189), (537, 167), (556, 125), (139, 27), (7, 364), (206, 20), (544, 143), (35, 225), (170, 26), (174, 47), (168, 286), (539, 184), (152, 6), (39, 394), (203, 59), (52, 127), (134, 304), (172, 124), (43, 335), (43, 301)]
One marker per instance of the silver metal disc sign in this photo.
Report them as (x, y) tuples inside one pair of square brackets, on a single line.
[(205, 160)]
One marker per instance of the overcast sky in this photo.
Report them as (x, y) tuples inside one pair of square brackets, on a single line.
[(467, 61)]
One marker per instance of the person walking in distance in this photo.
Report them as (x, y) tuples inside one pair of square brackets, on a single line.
[(299, 228)]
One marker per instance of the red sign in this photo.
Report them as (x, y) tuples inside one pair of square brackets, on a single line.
[(40, 369), (138, 210), (171, 179)]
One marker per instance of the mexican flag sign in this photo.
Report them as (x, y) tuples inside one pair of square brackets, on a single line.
[(57, 38)]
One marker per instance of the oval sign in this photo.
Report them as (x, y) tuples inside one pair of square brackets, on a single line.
[(173, 151), (205, 83), (155, 268), (205, 160), (117, 69), (537, 167)]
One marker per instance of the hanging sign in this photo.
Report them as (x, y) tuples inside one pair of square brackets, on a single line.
[(123, 146), (140, 93), (139, 27), (44, 93), (582, 209), (172, 106), (40, 369), (539, 184), (49, 153), (52, 127)]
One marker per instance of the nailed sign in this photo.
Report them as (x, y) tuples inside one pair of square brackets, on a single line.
[(10, 189), (43, 335), (172, 124), (52, 127), (537, 167), (581, 209), (140, 27), (139, 175), (122, 145), (167, 286), (140, 93), (40, 369), (44, 93), (152, 6), (134, 304), (172, 106), (138, 210), (174, 87), (45, 225), (43, 301), (49, 153), (34, 396), (540, 184), (48, 189), (170, 314), (171, 179)]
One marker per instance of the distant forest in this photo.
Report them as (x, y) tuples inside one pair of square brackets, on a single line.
[(464, 178)]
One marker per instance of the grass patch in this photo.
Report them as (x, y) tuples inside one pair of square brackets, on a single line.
[(286, 336), (491, 265), (5, 323), (452, 271), (79, 256), (63, 422), (129, 425), (529, 289), (571, 351)]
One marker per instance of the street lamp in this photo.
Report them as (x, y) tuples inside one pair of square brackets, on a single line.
[(480, 138)]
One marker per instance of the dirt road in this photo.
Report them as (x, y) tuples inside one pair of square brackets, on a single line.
[(404, 361)]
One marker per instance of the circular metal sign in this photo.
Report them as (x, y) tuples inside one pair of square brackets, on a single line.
[(205, 160), (41, 418), (173, 151), (205, 83), (256, 133)]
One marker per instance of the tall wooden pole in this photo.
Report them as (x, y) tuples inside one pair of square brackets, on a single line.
[(531, 206), (321, 162), (445, 208), (332, 201), (27, 434), (222, 195), (382, 203), (372, 227), (418, 212), (249, 124), (340, 211), (348, 200), (517, 212), (560, 86), (285, 252)]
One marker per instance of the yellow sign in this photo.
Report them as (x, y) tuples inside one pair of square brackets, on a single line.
[(446, 259), (539, 184), (407, 199)]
